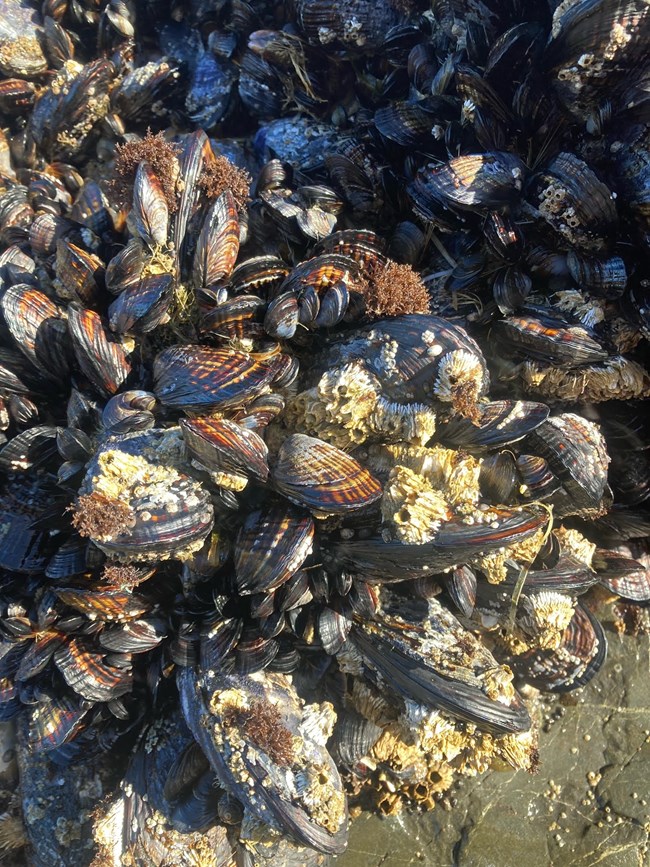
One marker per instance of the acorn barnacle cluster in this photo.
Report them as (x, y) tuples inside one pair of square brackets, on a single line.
[(323, 359)]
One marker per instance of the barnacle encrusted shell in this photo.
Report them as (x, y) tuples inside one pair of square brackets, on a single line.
[(347, 408), (617, 378), (454, 474), (163, 511), (573, 542), (308, 781), (546, 615), (494, 564), (413, 507)]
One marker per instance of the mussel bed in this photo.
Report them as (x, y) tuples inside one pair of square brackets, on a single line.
[(323, 407)]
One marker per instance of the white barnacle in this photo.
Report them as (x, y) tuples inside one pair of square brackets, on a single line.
[(413, 507), (545, 615), (460, 378)]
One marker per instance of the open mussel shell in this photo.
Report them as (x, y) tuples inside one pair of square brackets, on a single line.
[(456, 542), (223, 447), (580, 656), (231, 718), (196, 377), (321, 477), (271, 546), (499, 423)]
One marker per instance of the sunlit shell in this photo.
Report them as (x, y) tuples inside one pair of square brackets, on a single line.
[(323, 478), (195, 377)]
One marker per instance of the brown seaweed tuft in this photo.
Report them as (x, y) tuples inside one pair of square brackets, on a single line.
[(161, 156)]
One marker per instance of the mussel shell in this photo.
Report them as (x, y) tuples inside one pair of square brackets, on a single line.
[(580, 656), (197, 377), (56, 722), (353, 738), (235, 318), (150, 212), (258, 273), (24, 547), (232, 763), (315, 474), (126, 267), (603, 277), (101, 358), (498, 478), (89, 675), (381, 562), (79, 273), (38, 326), (396, 651), (170, 512), (421, 344), (271, 546), (129, 411), (29, 449), (577, 455), (538, 481), (110, 604), (500, 422), (461, 586), (137, 636), (221, 445), (69, 559), (474, 181), (627, 578), (281, 318), (574, 202), (142, 307), (218, 243), (546, 337)]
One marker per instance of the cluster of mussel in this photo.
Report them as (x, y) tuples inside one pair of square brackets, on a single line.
[(298, 492)]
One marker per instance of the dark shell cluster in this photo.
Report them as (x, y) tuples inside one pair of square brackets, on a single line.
[(322, 398)]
